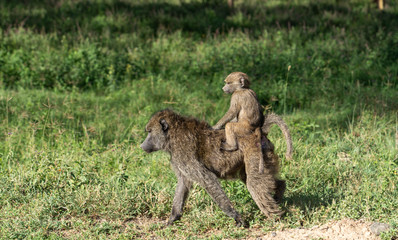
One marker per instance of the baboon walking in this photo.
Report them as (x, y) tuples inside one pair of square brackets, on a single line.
[(196, 157)]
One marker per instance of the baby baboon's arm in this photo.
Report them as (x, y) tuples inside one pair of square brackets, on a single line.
[(231, 114)]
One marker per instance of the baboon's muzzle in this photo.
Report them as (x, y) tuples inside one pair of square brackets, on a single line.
[(147, 145)]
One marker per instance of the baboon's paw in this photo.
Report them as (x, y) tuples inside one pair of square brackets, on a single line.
[(241, 223), (227, 147)]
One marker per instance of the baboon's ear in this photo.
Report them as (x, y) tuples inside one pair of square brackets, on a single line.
[(164, 124), (244, 82)]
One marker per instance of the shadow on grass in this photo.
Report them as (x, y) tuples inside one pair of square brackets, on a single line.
[(307, 202), (197, 18)]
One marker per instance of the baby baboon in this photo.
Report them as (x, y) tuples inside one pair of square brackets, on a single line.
[(196, 157), (245, 110)]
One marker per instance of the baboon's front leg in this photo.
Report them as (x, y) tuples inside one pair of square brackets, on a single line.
[(209, 181), (214, 189), (181, 194)]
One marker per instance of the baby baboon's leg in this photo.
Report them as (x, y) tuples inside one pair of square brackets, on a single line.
[(231, 143), (234, 130), (181, 194)]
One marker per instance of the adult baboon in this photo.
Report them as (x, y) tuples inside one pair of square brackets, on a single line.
[(196, 157)]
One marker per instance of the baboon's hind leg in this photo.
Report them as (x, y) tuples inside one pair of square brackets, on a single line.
[(262, 197), (261, 188), (259, 149), (280, 190)]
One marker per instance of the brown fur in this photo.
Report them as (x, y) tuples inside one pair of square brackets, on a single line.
[(195, 157), (246, 114), (275, 119)]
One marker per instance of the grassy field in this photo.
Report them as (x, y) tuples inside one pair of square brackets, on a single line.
[(80, 79)]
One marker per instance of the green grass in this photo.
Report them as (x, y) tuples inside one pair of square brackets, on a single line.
[(79, 81)]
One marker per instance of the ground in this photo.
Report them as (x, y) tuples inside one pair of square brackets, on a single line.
[(345, 229), (342, 229)]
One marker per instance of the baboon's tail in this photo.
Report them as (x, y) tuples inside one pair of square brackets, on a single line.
[(275, 119)]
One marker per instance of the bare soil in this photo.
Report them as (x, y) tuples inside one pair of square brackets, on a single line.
[(343, 229)]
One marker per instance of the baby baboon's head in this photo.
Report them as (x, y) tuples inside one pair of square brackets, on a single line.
[(236, 81)]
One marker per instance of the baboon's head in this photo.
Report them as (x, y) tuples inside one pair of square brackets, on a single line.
[(167, 129), (236, 81), (156, 139)]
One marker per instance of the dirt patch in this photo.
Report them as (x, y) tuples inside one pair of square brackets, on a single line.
[(343, 229), (154, 228)]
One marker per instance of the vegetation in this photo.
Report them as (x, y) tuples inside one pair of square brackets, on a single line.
[(80, 79)]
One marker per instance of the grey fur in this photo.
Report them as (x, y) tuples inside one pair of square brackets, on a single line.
[(196, 157), (272, 118)]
